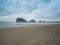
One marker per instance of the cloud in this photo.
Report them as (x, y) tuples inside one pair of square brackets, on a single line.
[(30, 9), (17, 6)]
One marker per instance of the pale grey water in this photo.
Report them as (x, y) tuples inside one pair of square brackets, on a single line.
[(23, 24)]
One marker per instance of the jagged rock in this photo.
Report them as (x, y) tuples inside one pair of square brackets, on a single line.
[(44, 21), (32, 21), (40, 21), (20, 20)]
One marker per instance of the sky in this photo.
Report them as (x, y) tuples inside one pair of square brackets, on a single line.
[(48, 10)]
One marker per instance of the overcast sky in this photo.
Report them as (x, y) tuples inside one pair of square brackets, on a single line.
[(30, 9)]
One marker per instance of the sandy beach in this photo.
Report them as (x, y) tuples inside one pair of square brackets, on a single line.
[(30, 35)]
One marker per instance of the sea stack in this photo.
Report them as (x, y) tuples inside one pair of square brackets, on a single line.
[(32, 20), (20, 20)]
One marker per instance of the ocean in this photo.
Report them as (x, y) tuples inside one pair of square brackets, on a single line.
[(14, 24)]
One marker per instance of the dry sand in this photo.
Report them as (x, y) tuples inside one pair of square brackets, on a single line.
[(31, 35)]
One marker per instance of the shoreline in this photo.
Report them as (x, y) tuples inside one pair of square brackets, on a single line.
[(29, 24)]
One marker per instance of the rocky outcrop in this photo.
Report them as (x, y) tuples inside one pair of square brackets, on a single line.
[(44, 21), (32, 21), (40, 21), (20, 20)]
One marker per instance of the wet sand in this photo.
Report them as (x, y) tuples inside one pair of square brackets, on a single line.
[(30, 35)]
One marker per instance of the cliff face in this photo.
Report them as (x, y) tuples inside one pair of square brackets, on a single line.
[(20, 20)]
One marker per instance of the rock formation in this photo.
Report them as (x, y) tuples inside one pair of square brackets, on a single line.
[(32, 21), (20, 20), (40, 21)]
